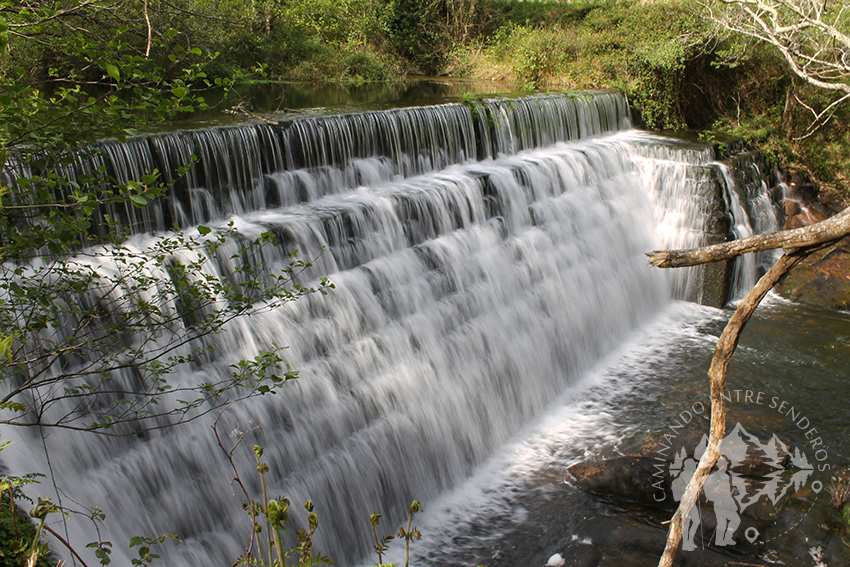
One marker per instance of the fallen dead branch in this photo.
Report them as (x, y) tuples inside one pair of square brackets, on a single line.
[(799, 243), (827, 230)]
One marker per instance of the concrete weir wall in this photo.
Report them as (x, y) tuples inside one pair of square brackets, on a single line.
[(746, 200)]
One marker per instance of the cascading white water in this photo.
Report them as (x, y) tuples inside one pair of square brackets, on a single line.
[(752, 212), (684, 195), (469, 295)]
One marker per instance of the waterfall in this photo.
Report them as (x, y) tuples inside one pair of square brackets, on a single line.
[(679, 179), (484, 257), (748, 201)]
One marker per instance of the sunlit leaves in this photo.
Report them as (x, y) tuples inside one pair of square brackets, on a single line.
[(145, 544), (149, 313)]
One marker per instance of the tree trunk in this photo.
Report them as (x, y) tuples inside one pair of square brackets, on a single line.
[(717, 374), (800, 243)]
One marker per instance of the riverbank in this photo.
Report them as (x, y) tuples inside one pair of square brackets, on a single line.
[(678, 69)]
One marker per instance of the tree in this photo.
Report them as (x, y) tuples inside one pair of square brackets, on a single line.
[(813, 37), (70, 324), (92, 324), (798, 244)]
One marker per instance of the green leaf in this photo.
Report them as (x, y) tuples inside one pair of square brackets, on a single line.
[(6, 343), (179, 92), (204, 230), (112, 71), (139, 200)]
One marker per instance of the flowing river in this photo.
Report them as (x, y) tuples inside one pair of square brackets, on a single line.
[(494, 321)]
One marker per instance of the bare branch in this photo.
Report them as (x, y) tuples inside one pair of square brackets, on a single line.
[(55, 16), (810, 35), (717, 373), (827, 230), (819, 118), (148, 24)]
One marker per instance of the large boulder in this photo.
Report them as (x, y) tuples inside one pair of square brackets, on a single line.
[(822, 279)]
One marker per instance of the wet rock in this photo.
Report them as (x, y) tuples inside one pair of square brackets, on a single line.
[(823, 279), (802, 201), (622, 541), (732, 503), (638, 479), (716, 283), (792, 208), (642, 477), (575, 554), (717, 276), (630, 479)]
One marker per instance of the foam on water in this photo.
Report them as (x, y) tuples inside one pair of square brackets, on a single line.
[(471, 298)]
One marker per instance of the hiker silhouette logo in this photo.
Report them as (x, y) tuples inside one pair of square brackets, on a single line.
[(748, 472)]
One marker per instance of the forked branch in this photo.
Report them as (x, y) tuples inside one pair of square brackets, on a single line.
[(811, 35), (717, 374), (799, 244)]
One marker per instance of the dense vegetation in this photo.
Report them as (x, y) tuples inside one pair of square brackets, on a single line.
[(679, 68)]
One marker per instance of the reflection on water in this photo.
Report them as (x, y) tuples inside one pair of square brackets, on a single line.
[(278, 100), (269, 98)]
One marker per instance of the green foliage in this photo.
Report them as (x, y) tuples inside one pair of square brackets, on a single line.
[(773, 111), (412, 28), (145, 545), (382, 543), (316, 41), (429, 33), (288, 37), (272, 517), (641, 48), (535, 62), (827, 153), (19, 538), (83, 345), (410, 534), (71, 326), (99, 86), (544, 13), (119, 324), (360, 65)]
